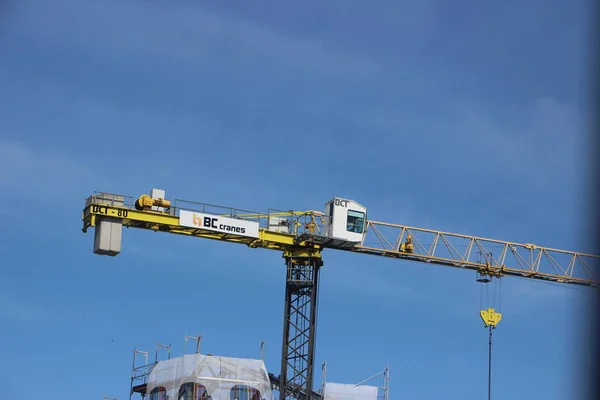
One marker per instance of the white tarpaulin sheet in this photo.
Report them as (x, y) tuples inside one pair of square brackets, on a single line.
[(198, 376), (340, 391)]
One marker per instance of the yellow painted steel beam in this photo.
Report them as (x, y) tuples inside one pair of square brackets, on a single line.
[(302, 253), (484, 269), (159, 221), (489, 257)]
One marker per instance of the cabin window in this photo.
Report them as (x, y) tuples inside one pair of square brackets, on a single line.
[(243, 392), (193, 391), (355, 222), (158, 393)]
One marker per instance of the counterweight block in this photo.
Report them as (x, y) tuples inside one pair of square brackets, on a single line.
[(108, 230)]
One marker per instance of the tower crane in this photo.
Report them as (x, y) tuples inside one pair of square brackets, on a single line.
[(302, 236)]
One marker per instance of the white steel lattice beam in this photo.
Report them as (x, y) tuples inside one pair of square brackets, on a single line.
[(488, 256)]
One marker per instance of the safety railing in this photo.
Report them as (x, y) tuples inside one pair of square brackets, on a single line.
[(290, 222)]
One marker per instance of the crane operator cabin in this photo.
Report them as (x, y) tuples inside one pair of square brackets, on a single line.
[(345, 220)]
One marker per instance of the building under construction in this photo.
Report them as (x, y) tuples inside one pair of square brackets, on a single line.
[(302, 237), (210, 377)]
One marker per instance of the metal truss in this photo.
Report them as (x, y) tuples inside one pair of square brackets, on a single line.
[(299, 327), (487, 256)]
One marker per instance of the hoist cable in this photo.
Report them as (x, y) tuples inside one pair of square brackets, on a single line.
[(481, 296), (495, 292), (490, 366), (500, 296)]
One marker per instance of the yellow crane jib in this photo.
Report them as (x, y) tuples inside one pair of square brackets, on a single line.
[(490, 317), (343, 225)]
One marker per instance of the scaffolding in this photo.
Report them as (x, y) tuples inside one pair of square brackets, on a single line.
[(140, 372), (208, 376), (204, 376), (201, 376), (358, 391)]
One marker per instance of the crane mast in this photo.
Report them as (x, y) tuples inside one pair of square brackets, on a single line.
[(302, 236)]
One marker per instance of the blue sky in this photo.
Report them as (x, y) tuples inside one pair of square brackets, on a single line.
[(469, 118)]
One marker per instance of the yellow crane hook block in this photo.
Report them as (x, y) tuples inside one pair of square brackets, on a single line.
[(490, 317)]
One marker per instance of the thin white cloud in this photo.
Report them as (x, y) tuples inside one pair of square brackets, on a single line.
[(33, 172), (7, 213), (369, 283), (550, 143), (538, 159), (523, 296), (176, 30), (536, 291), (14, 158), (17, 311), (542, 144)]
